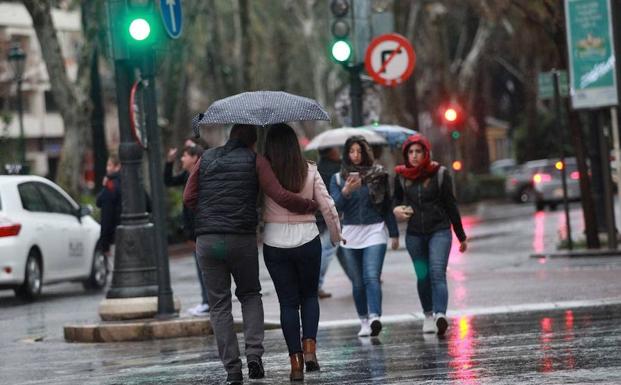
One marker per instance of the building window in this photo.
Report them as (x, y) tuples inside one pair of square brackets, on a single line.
[(50, 103)]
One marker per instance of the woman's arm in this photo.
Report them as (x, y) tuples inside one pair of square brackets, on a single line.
[(450, 206), (328, 209), (336, 193)]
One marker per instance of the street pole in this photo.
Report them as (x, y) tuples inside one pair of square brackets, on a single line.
[(561, 132), (165, 304), (355, 94), (134, 272), (22, 139), (604, 151), (614, 118)]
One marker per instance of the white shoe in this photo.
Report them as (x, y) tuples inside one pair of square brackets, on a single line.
[(429, 324), (441, 323), (365, 328), (200, 310)]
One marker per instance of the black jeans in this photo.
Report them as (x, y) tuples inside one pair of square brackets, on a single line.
[(295, 272)]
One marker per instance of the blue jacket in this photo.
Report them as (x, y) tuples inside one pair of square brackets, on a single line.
[(359, 210)]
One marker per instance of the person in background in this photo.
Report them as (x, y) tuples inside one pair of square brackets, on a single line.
[(361, 193), (423, 196), (190, 156), (328, 165), (109, 201)]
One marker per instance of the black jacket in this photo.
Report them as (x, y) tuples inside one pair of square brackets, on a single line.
[(227, 191), (435, 207), (109, 201), (181, 179)]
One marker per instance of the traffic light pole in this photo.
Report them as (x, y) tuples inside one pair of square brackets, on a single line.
[(355, 94), (560, 130), (165, 303)]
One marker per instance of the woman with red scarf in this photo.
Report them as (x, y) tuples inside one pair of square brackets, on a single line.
[(424, 197)]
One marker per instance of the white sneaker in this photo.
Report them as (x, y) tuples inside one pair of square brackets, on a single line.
[(365, 328), (200, 310), (429, 324), (441, 323)]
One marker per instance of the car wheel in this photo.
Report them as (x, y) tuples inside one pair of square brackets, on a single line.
[(33, 280), (540, 206), (99, 272), (526, 195)]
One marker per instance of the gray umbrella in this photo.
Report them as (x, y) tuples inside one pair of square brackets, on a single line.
[(260, 108)]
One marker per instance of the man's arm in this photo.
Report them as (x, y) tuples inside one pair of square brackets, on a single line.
[(273, 189), (173, 180), (190, 193)]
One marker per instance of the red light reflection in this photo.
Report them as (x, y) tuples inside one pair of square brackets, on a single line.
[(538, 236), (547, 364)]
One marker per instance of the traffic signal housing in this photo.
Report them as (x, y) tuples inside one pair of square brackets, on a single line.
[(341, 29), (452, 116)]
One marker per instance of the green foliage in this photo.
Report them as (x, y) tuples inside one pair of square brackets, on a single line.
[(542, 143)]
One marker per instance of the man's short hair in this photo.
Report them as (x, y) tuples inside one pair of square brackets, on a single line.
[(196, 150), (245, 133)]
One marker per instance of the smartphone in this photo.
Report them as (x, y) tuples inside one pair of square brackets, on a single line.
[(355, 174)]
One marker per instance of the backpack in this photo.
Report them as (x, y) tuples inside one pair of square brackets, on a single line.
[(440, 179)]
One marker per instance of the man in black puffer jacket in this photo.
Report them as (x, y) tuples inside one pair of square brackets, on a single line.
[(222, 190)]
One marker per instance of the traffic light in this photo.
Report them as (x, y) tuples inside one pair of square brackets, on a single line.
[(457, 165), (451, 115), (341, 30), (140, 24)]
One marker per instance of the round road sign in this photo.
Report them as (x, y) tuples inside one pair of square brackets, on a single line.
[(390, 59)]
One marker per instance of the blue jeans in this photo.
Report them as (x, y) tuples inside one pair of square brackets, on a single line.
[(364, 268), (327, 253), (430, 253), (295, 272)]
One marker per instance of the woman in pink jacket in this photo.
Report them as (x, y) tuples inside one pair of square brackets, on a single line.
[(292, 249)]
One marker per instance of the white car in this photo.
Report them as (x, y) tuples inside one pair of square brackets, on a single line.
[(46, 237)]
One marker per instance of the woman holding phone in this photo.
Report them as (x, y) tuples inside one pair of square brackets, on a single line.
[(424, 197), (361, 193)]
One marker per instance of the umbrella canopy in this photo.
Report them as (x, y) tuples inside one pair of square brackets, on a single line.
[(394, 135), (337, 137), (260, 108)]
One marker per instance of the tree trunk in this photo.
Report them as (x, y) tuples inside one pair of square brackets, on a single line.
[(72, 99)]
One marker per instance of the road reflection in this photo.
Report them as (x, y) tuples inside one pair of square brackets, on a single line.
[(461, 350)]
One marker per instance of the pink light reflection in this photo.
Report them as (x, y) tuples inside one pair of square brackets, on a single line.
[(461, 350), (547, 363), (538, 235)]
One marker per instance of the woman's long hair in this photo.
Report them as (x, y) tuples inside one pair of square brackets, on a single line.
[(283, 151)]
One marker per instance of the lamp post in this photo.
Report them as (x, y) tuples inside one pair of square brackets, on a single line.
[(17, 59)]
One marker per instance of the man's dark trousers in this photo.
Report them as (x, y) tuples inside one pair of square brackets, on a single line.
[(220, 257)]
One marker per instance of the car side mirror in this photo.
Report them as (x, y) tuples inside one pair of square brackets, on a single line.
[(85, 210)]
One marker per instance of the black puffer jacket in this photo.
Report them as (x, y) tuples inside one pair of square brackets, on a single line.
[(227, 191), (434, 206)]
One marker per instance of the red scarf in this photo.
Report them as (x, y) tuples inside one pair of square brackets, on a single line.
[(425, 169)]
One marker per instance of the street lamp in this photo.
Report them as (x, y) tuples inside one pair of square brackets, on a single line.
[(17, 60)]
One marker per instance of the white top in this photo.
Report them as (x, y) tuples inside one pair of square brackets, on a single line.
[(289, 235), (361, 236)]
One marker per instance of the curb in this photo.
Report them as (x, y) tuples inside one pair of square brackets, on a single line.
[(579, 254), (145, 330)]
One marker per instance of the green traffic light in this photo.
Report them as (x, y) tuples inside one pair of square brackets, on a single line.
[(139, 29), (341, 51), (455, 135)]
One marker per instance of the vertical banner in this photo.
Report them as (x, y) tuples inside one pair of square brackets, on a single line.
[(591, 53)]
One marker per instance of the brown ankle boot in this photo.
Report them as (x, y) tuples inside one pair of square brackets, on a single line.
[(310, 358), (297, 367)]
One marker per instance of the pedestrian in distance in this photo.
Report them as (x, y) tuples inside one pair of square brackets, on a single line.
[(328, 165), (222, 190), (292, 247), (189, 158), (423, 196), (109, 201), (361, 193)]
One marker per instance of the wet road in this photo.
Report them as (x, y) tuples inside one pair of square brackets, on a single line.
[(554, 347), (496, 275)]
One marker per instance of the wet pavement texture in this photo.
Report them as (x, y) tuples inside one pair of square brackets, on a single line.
[(569, 346), (495, 275)]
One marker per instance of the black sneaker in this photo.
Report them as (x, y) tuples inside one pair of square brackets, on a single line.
[(255, 368), (234, 379), (376, 327), (441, 324)]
